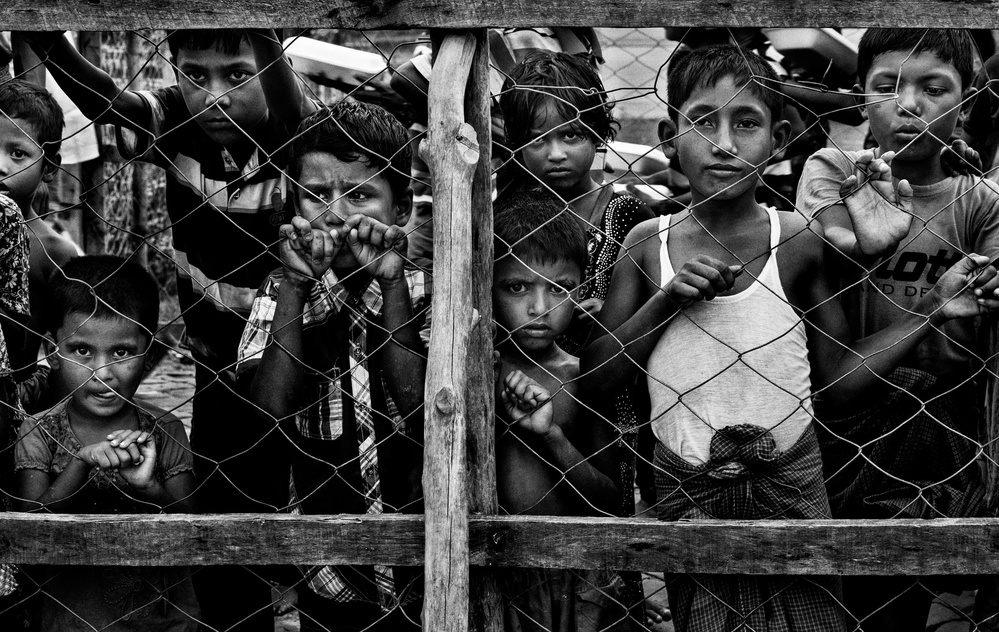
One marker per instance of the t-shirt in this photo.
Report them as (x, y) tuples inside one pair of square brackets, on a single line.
[(224, 217), (952, 218), (111, 598)]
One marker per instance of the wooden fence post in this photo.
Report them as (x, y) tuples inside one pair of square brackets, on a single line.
[(485, 614), (451, 152)]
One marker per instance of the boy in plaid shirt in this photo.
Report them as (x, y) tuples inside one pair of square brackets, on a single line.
[(333, 346)]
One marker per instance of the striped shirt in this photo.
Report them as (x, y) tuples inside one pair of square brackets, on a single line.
[(224, 217)]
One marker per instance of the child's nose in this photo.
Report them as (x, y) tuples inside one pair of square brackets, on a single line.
[(556, 151), (217, 95), (723, 143), (907, 102)]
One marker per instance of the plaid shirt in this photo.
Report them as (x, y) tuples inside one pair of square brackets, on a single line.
[(322, 417), (337, 323)]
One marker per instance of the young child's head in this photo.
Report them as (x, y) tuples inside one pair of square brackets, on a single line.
[(31, 123), (540, 249), (217, 75), (555, 115), (104, 312), (914, 82), (724, 121), (351, 158)]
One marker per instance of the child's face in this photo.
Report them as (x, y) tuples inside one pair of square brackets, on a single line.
[(534, 302), (913, 103), (222, 92), (22, 162), (331, 190), (101, 361), (561, 154), (724, 137)]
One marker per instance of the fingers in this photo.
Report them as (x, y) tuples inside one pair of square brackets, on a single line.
[(360, 229), (960, 159), (524, 389), (702, 278)]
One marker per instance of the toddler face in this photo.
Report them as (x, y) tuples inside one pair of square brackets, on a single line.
[(725, 138), (222, 91), (913, 103), (22, 161), (101, 362), (534, 302), (561, 153), (331, 190)]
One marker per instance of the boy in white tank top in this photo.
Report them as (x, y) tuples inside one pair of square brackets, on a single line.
[(729, 311)]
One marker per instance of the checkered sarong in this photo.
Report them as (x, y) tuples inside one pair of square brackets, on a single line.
[(748, 479), (910, 454)]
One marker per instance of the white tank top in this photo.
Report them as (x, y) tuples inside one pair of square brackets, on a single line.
[(732, 360)]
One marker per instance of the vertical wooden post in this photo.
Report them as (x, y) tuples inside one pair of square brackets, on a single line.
[(451, 152), (485, 614)]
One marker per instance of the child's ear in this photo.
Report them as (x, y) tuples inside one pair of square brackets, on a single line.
[(54, 361), (404, 207), (781, 134), (858, 95), (667, 138), (50, 167), (967, 102)]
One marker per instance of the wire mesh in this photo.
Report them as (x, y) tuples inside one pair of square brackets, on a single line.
[(695, 319)]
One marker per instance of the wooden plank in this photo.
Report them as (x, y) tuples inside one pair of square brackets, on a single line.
[(486, 603), (877, 547), (451, 153), (189, 539), (454, 14), (811, 547)]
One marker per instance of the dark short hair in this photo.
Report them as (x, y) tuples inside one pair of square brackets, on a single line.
[(533, 225), (225, 41), (104, 286), (568, 82), (351, 130), (704, 67), (36, 105), (953, 46)]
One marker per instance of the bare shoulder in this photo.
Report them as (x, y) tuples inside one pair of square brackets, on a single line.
[(802, 240)]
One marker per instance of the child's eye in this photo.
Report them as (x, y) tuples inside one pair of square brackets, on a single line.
[(358, 196), (558, 290), (18, 154), (121, 353), (239, 76), (195, 77), (701, 122), (887, 88), (515, 288), (82, 351), (748, 124), (935, 91)]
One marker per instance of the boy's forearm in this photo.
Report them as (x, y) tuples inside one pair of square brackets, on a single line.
[(404, 358), (277, 382), (283, 89), (592, 484), (612, 360), (90, 88)]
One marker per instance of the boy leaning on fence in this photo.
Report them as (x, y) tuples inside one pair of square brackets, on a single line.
[(899, 220), (729, 310), (221, 133), (335, 349), (98, 452)]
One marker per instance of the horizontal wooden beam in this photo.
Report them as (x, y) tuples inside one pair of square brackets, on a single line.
[(379, 14), (819, 547)]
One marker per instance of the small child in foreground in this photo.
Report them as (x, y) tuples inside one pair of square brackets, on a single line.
[(730, 310), (97, 452), (552, 458)]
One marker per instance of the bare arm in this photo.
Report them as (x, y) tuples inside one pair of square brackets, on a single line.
[(89, 87), (404, 358), (283, 88)]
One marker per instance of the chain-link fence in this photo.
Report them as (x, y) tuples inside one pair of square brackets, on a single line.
[(709, 303)]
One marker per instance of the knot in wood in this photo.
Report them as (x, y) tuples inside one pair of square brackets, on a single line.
[(444, 401)]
